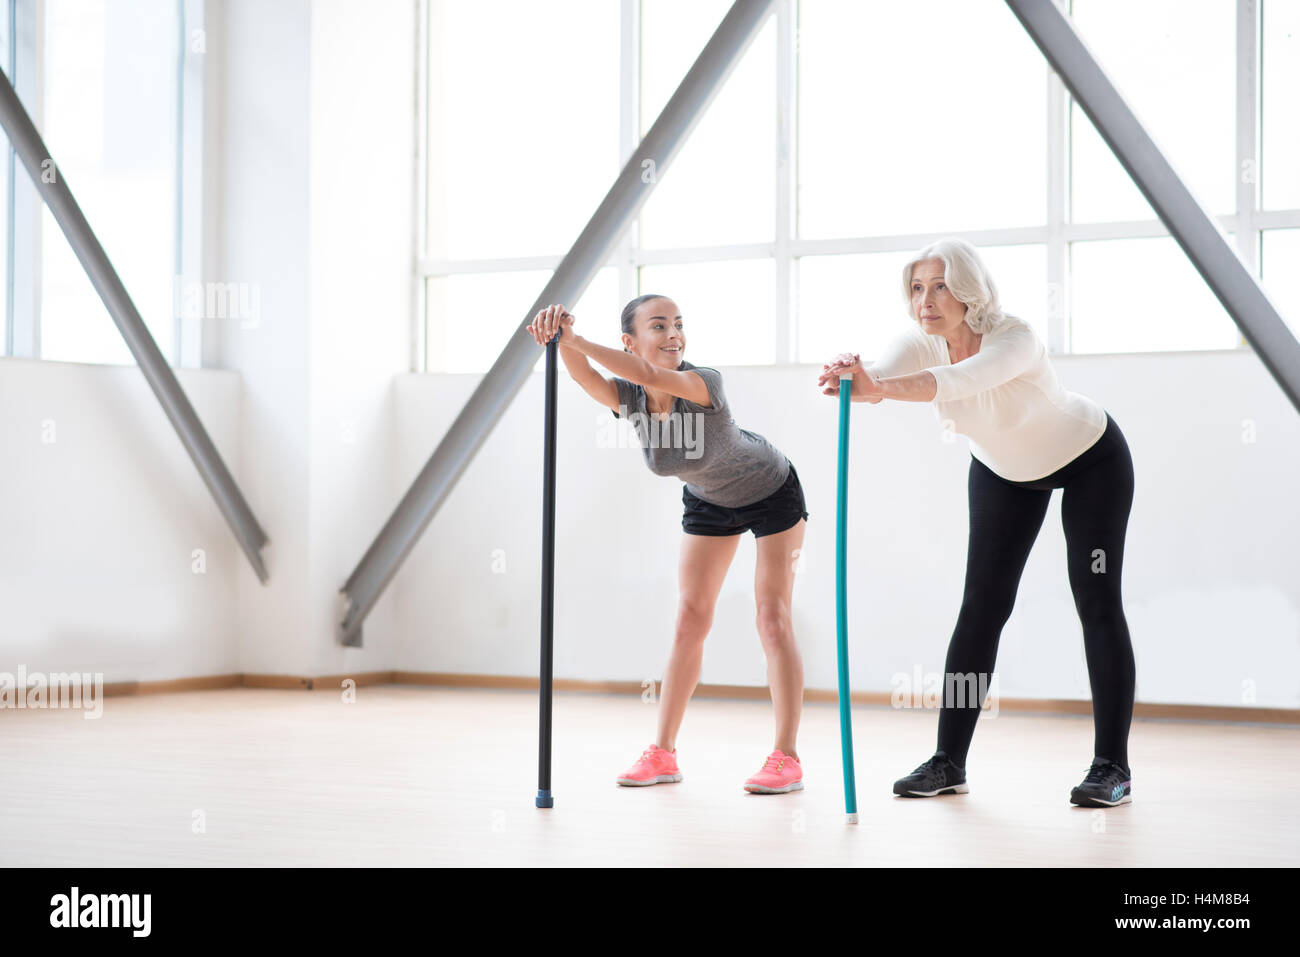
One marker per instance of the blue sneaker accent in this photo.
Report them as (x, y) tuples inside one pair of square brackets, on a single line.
[(1106, 785)]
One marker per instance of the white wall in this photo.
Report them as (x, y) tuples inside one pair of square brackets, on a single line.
[(103, 512), (1210, 580), (316, 209), (264, 166), (362, 151)]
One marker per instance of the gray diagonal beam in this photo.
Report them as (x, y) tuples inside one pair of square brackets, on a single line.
[(1187, 221), (594, 245), (50, 183)]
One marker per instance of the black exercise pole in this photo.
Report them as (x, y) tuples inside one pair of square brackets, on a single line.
[(544, 798)]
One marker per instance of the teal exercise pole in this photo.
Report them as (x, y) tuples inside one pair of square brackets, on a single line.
[(841, 601)]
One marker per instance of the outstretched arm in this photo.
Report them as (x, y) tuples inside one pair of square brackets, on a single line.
[(686, 384), (869, 387), (914, 387), (593, 383), (543, 329), (1000, 359), (903, 356)]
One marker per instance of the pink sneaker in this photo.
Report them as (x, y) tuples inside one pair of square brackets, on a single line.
[(655, 766), (780, 773)]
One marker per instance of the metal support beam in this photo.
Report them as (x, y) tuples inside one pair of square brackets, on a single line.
[(1205, 244), (593, 248), (50, 183), (25, 222)]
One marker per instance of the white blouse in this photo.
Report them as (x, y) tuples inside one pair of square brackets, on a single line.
[(1006, 399)]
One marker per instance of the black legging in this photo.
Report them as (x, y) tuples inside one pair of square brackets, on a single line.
[(1004, 521)]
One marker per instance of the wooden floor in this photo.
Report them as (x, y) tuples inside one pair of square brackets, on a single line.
[(427, 776)]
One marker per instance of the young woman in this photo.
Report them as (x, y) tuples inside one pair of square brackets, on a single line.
[(735, 481), (988, 374)]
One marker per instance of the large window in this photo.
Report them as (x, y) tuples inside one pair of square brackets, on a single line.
[(1142, 46), (6, 185), (721, 188), (1280, 64), (472, 314), (108, 108), (1142, 295), (918, 117), (727, 307), (1281, 266), (523, 124), (848, 136)]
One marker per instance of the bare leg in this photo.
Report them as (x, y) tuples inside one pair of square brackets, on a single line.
[(773, 591), (701, 570)]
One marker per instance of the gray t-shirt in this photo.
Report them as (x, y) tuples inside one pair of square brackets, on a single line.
[(719, 462)]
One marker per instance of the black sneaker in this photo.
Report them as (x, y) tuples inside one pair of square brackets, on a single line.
[(1106, 785), (937, 776)]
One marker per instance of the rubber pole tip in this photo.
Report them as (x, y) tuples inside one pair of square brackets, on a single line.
[(544, 799), (851, 818)]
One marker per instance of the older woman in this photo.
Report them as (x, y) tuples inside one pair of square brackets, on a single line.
[(988, 374)]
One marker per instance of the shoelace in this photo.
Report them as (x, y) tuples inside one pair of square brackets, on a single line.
[(772, 763), (1098, 773), (930, 767)]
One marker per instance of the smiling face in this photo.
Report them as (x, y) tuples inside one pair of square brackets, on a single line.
[(659, 338), (934, 306)]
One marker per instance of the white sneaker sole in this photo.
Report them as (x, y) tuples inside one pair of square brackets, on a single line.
[(1126, 799), (759, 789), (662, 779), (955, 789)]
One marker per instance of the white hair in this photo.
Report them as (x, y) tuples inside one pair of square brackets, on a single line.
[(967, 279)]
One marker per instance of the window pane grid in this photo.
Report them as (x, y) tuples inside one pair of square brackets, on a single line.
[(1047, 241)]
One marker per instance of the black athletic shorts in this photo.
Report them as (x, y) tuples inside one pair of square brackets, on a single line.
[(779, 511)]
